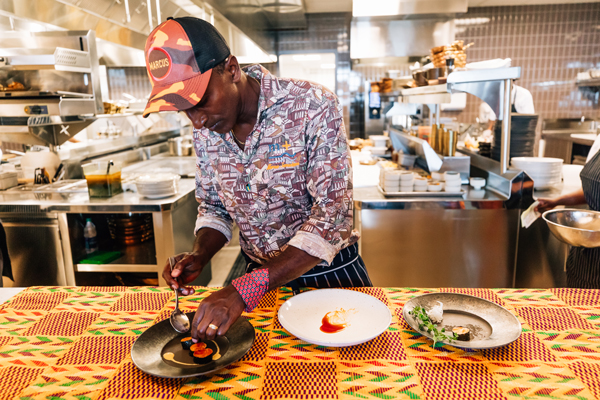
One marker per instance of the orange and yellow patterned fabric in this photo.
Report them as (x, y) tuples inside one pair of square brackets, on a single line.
[(75, 342)]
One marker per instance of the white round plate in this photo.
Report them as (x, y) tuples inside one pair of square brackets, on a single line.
[(158, 196), (302, 316)]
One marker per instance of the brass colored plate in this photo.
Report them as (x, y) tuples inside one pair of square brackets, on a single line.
[(152, 350)]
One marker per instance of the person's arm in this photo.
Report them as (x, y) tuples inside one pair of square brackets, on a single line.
[(224, 307), (213, 227), (328, 229), (189, 265), (571, 199)]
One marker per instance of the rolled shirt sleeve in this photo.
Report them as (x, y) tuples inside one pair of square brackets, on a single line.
[(329, 182)]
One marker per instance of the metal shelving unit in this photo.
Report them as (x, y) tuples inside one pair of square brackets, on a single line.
[(490, 85)]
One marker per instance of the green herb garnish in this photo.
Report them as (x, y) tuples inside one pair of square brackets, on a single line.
[(426, 325)]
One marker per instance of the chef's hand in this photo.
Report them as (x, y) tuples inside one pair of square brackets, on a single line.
[(545, 205), (187, 268), (221, 309)]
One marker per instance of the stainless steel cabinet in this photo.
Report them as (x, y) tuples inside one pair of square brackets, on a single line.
[(34, 245)]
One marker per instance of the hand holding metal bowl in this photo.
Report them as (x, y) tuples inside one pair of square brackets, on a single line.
[(579, 228)]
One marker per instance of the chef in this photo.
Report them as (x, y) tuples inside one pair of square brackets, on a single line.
[(521, 102), (272, 156), (583, 264)]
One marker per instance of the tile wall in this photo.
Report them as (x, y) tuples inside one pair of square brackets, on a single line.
[(324, 32), (551, 43)]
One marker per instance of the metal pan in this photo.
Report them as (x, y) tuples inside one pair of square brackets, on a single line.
[(151, 351), (490, 324)]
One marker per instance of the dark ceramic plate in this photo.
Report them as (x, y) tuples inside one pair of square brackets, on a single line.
[(490, 324), (158, 350)]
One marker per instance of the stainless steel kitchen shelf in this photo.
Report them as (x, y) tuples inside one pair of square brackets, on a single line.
[(434, 94), (43, 94), (61, 60), (490, 85), (589, 83)]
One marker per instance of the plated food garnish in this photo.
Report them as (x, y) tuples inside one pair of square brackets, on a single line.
[(426, 324)]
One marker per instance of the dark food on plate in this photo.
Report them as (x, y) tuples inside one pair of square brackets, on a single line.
[(199, 351), (186, 342), (202, 356), (462, 333)]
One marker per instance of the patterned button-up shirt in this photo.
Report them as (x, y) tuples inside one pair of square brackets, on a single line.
[(291, 185)]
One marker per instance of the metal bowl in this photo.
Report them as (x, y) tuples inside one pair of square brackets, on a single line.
[(579, 228)]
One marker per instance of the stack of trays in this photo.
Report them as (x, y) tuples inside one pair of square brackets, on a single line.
[(546, 172), (130, 229), (522, 136), (157, 186)]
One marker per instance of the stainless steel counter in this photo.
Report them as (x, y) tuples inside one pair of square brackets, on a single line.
[(370, 198), (580, 138), (51, 222), (30, 202)]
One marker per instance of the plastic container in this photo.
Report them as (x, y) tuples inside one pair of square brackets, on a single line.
[(39, 159), (8, 179), (99, 183), (378, 151), (89, 233), (379, 140), (406, 160)]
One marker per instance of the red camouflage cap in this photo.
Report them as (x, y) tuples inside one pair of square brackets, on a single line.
[(180, 54)]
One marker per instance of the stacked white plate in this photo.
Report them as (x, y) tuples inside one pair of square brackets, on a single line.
[(158, 185), (546, 172)]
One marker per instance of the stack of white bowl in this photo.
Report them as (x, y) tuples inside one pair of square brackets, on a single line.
[(379, 144), (407, 180), (389, 179), (420, 184), (546, 172), (158, 185), (434, 187), (452, 181)]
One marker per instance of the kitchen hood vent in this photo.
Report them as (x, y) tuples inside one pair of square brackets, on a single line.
[(123, 22), (408, 9), (406, 38), (402, 28)]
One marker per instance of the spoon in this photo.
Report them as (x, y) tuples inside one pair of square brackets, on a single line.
[(179, 321)]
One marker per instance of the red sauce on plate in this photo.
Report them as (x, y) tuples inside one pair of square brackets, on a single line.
[(328, 327)]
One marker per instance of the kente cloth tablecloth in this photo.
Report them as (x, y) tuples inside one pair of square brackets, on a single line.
[(75, 343)]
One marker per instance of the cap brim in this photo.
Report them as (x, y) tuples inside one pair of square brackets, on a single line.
[(178, 96)]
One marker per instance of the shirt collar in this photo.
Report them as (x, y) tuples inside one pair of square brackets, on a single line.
[(270, 86)]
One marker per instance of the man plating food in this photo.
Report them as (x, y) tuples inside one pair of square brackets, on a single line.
[(272, 156)]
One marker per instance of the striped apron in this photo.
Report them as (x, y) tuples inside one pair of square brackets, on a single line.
[(583, 264), (346, 270)]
